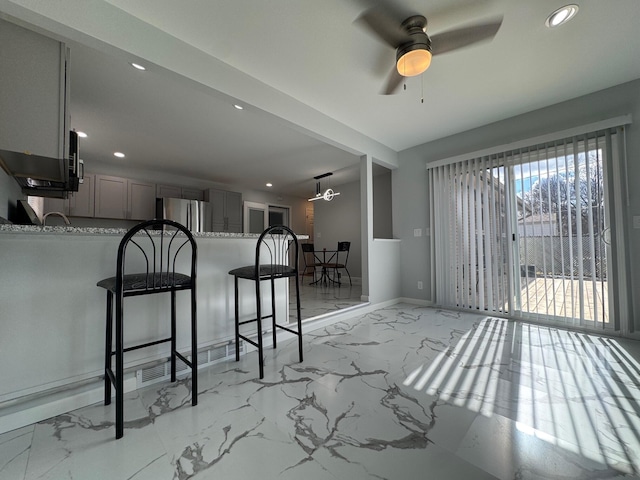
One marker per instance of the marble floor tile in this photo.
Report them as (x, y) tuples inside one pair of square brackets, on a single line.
[(403, 392), (81, 444), (14, 452)]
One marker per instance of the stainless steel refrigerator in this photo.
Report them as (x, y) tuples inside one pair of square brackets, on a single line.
[(193, 214)]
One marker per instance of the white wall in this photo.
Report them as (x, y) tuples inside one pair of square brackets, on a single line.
[(49, 292), (410, 180)]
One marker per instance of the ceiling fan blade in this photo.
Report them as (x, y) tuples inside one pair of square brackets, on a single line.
[(463, 37), (393, 82), (384, 25)]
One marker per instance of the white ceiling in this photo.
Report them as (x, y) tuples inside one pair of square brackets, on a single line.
[(312, 54)]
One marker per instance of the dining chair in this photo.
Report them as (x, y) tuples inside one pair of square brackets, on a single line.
[(339, 261), (310, 259)]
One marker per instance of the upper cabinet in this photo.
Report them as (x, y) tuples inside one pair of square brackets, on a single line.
[(172, 191), (168, 191), (79, 204), (111, 197), (34, 92), (192, 193), (141, 201), (82, 202), (122, 198)]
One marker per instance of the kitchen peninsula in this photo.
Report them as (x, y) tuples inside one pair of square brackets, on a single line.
[(53, 314)]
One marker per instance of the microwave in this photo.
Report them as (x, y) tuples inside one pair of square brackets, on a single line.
[(44, 176)]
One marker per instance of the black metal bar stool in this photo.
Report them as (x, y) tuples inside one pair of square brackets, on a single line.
[(155, 245), (276, 258)]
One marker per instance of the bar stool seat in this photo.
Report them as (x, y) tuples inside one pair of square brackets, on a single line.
[(275, 271), (155, 245), (159, 282), (277, 247)]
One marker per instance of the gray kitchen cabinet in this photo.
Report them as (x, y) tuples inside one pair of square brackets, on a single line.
[(168, 191), (226, 211), (172, 191), (141, 200), (122, 198), (82, 202), (192, 193), (79, 204), (111, 197), (34, 92)]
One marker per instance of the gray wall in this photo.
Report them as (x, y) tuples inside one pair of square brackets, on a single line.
[(382, 203), (410, 180), (339, 221), (10, 193)]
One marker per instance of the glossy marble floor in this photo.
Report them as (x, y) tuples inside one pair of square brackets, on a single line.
[(320, 299), (403, 392)]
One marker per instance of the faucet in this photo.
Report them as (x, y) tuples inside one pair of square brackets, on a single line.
[(64, 217)]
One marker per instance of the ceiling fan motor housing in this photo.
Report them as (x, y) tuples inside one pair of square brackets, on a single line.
[(419, 40)]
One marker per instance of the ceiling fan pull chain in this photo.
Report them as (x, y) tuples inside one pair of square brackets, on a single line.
[(422, 88), (404, 78)]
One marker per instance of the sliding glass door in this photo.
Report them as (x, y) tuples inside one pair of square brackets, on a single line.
[(527, 232), (561, 227)]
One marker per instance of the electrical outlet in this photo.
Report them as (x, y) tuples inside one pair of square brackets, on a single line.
[(417, 232), (419, 284)]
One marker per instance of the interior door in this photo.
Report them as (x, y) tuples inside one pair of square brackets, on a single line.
[(255, 217)]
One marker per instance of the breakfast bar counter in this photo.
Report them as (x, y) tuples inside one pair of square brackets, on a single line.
[(52, 318)]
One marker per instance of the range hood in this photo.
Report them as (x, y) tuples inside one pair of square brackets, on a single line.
[(44, 176)]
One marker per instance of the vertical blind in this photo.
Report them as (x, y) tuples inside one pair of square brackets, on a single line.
[(527, 231)]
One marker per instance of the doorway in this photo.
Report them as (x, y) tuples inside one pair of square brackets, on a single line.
[(278, 215), (259, 216)]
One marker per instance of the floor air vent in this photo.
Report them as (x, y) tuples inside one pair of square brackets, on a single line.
[(159, 372)]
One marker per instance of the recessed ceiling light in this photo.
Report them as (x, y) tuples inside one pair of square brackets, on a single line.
[(239, 107), (269, 184), (562, 15), (82, 134), (119, 154), (138, 66)]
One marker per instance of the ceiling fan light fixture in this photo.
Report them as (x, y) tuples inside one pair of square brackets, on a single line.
[(413, 62), (561, 16)]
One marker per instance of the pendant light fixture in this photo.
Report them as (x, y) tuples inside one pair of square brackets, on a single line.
[(328, 194)]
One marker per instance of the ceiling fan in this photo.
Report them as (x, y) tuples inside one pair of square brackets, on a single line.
[(414, 48)]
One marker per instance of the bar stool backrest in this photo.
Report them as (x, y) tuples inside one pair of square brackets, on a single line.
[(278, 248), (152, 250)]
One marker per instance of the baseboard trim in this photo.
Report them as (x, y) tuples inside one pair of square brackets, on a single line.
[(44, 407)]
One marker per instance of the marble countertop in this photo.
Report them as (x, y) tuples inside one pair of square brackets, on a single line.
[(119, 232)]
